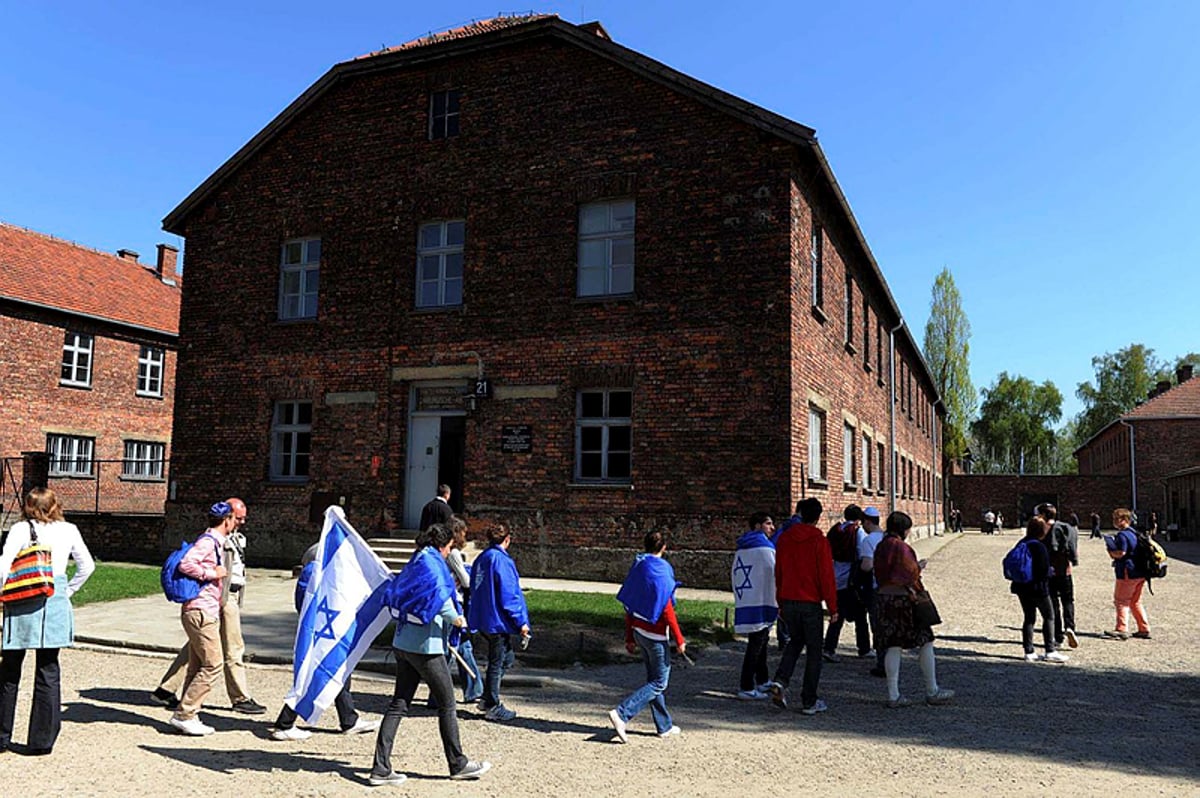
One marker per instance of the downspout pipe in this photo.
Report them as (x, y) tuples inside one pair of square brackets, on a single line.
[(1132, 465), (892, 414)]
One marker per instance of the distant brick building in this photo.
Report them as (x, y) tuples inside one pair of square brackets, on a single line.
[(592, 294), (87, 353), (1155, 447)]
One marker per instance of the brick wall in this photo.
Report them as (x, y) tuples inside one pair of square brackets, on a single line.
[(719, 346), (123, 538), (1008, 493)]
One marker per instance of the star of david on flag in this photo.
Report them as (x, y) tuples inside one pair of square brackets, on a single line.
[(342, 614), (744, 570)]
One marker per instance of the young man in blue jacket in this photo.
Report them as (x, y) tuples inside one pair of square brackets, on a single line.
[(498, 611)]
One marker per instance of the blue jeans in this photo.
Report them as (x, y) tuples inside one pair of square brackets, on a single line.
[(500, 659), (804, 620), (657, 656), (472, 685)]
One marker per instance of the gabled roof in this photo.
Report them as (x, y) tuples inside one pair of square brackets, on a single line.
[(1180, 402), (43, 271), (474, 28)]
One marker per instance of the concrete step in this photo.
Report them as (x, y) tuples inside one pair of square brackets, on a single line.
[(394, 551)]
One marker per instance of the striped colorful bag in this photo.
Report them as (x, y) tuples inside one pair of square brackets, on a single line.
[(31, 575)]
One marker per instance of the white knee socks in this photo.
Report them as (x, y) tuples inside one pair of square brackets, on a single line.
[(891, 664)]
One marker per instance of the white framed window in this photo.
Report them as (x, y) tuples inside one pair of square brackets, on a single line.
[(70, 455), (143, 460), (440, 264), (291, 441), (606, 248), (604, 435), (150, 371), (77, 360), (868, 472), (299, 278), (849, 455), (443, 114), (816, 443), (816, 246)]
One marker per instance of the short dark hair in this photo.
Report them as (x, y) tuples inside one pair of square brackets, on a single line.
[(899, 523), (1047, 511), (498, 534), (437, 535), (758, 518), (443, 490), (654, 542), (852, 512), (809, 509)]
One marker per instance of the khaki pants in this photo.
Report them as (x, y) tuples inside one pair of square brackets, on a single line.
[(234, 648), (204, 661)]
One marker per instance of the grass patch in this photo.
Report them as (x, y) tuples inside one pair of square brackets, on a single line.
[(115, 581), (550, 608)]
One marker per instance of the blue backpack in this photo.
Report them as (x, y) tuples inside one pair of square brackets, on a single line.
[(178, 586), (1018, 564)]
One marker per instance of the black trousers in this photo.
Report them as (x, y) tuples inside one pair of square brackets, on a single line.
[(1062, 599), (754, 664), (344, 703), (1032, 604), (411, 670), (45, 721)]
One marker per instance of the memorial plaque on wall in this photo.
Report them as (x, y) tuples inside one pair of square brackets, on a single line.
[(516, 438)]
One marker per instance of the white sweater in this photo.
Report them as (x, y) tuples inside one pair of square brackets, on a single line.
[(65, 543)]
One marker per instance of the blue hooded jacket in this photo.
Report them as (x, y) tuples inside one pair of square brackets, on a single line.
[(648, 587), (497, 604)]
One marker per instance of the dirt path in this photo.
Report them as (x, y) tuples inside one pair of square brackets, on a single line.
[(1120, 717)]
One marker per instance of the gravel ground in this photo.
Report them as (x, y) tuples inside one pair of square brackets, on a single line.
[(1120, 717)]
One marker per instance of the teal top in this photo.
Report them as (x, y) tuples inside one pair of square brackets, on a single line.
[(429, 638)]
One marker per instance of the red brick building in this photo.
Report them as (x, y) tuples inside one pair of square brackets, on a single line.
[(88, 358), (594, 295), (1153, 447)]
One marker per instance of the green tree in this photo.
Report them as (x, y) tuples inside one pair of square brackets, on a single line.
[(1123, 379), (947, 351), (1168, 372), (1015, 427)]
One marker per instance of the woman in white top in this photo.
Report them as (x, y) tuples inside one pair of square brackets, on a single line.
[(44, 624), (468, 670)]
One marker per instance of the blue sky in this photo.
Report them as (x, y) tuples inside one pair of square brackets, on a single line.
[(1047, 153)]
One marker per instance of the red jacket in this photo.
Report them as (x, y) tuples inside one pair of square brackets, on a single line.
[(804, 567)]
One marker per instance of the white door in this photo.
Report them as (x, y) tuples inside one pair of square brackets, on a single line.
[(423, 438)]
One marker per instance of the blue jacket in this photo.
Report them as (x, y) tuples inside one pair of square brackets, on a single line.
[(497, 604), (1126, 541)]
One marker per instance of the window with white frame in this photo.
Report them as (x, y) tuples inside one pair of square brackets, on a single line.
[(848, 455), (150, 371), (816, 263), (291, 441), (443, 114), (143, 460), (299, 278), (70, 455), (603, 435), (816, 443), (76, 360), (440, 264), (867, 471), (606, 248)]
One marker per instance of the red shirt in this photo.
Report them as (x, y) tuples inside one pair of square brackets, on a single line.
[(804, 567), (668, 623)]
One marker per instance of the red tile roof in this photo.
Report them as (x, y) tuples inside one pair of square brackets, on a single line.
[(473, 28), (48, 271), (1180, 401)]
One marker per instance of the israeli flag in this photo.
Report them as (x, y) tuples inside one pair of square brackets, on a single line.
[(342, 614)]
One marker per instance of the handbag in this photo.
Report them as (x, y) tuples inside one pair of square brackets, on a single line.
[(925, 612), (31, 575)]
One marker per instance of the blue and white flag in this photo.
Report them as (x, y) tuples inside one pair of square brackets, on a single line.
[(342, 614)]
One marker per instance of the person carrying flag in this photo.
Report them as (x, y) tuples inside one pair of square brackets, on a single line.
[(428, 616), (648, 595)]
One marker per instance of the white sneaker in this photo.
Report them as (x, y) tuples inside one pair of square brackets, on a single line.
[(192, 728), (362, 727), (674, 731), (1032, 657), (751, 695), (295, 733), (618, 725), (1054, 656)]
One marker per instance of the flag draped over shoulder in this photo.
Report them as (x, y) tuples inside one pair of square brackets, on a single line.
[(341, 615), (648, 587), (419, 592)]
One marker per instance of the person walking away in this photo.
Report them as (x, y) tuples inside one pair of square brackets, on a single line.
[(844, 539), (1096, 525), (201, 619), (468, 670), (754, 606), (803, 580), (438, 510), (497, 610), (898, 574), (1062, 541), (648, 595), (1034, 595), (1127, 592), (423, 595), (43, 624), (866, 581)]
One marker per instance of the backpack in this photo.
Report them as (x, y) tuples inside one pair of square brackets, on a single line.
[(1149, 559), (178, 586), (843, 541), (1018, 564)]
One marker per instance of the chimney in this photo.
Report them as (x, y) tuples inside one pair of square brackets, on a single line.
[(1162, 386), (1183, 373), (127, 254), (166, 268)]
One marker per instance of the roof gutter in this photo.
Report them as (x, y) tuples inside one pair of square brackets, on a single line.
[(90, 316), (892, 414), (1132, 464)]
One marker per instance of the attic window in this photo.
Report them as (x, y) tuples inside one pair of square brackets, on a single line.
[(443, 114)]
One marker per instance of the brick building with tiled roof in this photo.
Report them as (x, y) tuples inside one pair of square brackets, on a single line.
[(87, 352)]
